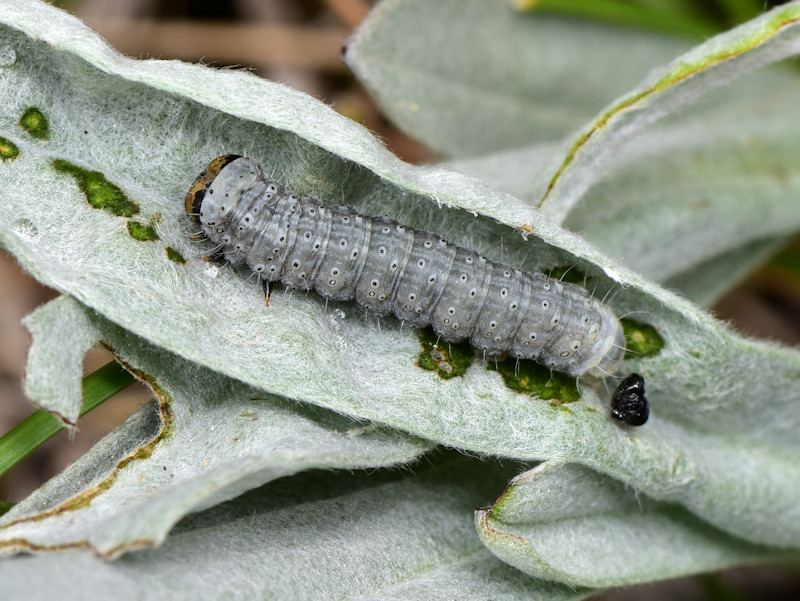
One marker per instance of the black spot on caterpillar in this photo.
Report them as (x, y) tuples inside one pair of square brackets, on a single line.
[(390, 268), (628, 404)]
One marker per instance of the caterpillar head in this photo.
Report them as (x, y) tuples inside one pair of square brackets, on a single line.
[(608, 344), (201, 185), (220, 188)]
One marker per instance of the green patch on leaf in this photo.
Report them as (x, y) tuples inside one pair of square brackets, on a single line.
[(8, 150), (142, 232), (35, 123), (174, 256), (641, 339), (100, 193), (447, 359), (528, 377)]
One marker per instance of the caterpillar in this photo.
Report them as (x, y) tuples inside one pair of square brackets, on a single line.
[(391, 268), (628, 403)]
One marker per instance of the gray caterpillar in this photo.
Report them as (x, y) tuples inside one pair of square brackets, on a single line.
[(390, 268)]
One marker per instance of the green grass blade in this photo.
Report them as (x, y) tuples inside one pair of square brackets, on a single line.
[(40, 426), (739, 11), (624, 13)]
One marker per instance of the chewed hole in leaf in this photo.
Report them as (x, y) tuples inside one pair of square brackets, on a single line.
[(528, 377), (8, 150), (100, 193), (641, 339), (142, 232), (174, 255), (448, 360), (35, 123)]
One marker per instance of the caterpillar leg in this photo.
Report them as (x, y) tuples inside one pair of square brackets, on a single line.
[(267, 286), (217, 257)]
